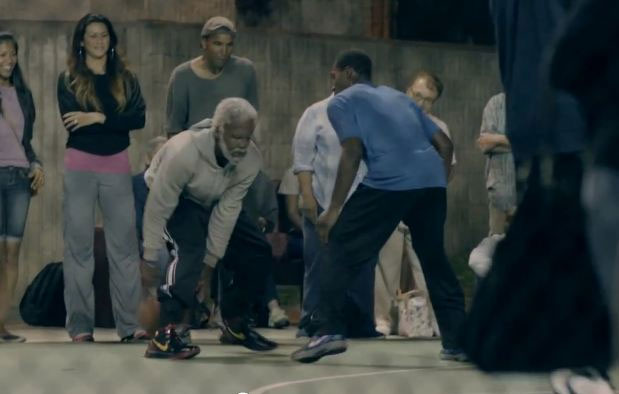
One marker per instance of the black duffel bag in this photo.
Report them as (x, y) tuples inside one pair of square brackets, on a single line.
[(43, 301)]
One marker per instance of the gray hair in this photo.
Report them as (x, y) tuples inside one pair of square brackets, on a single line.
[(234, 110)]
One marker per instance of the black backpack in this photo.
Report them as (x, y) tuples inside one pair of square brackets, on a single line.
[(43, 301)]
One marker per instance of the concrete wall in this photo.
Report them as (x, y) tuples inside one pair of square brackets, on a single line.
[(184, 11), (335, 17), (292, 71)]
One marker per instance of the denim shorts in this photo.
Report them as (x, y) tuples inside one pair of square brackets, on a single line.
[(14, 201)]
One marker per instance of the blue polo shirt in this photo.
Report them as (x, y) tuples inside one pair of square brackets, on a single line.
[(396, 137)]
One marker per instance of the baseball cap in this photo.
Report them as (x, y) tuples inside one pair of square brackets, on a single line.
[(218, 23)]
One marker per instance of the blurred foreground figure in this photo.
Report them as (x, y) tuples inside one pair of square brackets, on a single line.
[(592, 32), (547, 240)]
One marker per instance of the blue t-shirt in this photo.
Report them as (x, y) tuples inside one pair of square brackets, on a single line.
[(396, 137)]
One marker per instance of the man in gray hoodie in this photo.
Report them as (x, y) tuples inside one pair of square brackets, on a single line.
[(197, 183)]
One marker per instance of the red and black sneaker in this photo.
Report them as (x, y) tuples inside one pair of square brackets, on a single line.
[(167, 344)]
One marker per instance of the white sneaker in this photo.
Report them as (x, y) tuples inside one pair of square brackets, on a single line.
[(565, 381), (383, 326), (278, 318)]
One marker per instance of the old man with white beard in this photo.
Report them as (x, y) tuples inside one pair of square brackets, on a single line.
[(197, 183)]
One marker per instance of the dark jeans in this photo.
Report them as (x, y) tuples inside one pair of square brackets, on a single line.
[(295, 245), (366, 222), (359, 305), (247, 258)]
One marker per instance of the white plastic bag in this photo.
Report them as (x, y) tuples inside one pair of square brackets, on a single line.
[(480, 258)]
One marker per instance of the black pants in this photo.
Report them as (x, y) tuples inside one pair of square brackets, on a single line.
[(366, 222), (248, 257)]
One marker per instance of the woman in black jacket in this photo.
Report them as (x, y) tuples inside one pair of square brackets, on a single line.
[(100, 102), (21, 173)]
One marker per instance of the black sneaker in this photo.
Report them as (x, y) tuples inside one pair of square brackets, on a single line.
[(184, 333), (201, 316), (245, 336), (167, 344), (453, 355), (227, 339), (11, 338), (137, 337)]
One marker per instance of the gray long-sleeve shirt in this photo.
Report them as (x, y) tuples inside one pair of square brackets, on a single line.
[(192, 98)]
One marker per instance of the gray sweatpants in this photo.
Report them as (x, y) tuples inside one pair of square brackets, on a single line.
[(114, 193)]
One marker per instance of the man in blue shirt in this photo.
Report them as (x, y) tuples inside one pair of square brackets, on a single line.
[(408, 160)]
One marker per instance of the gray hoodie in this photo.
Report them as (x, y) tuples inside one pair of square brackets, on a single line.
[(186, 165)]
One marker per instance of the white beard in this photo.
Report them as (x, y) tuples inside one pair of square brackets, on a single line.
[(226, 152)]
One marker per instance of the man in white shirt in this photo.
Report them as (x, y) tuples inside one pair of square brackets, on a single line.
[(317, 151), (426, 88)]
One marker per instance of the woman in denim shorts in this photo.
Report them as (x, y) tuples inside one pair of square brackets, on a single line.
[(21, 173)]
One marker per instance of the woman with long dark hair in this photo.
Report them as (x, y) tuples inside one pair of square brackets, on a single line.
[(21, 173), (100, 102)]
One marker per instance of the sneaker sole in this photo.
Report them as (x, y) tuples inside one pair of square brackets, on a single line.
[(143, 340), (15, 339), (310, 356), (172, 356), (20, 340), (462, 358), (259, 346)]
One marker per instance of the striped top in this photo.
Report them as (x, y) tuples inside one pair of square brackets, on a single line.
[(500, 169)]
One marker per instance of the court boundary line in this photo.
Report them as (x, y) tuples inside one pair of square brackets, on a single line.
[(273, 386)]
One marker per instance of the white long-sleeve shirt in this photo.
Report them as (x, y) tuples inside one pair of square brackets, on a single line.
[(316, 148)]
